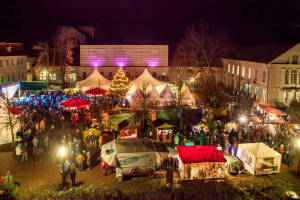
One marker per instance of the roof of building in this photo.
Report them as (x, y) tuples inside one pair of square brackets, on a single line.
[(158, 122), (123, 124), (261, 53), (12, 49)]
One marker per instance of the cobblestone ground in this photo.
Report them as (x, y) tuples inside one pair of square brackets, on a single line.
[(28, 172)]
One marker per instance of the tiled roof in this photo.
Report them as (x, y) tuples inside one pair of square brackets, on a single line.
[(12, 49)]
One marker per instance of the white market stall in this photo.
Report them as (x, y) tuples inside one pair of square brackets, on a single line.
[(259, 159), (95, 80), (133, 156)]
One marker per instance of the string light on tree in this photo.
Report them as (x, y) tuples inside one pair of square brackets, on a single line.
[(120, 84)]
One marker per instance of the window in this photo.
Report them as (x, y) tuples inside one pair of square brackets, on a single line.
[(295, 59), (18, 62), (243, 71), (28, 66), (7, 62), (249, 72), (256, 73), (84, 75), (293, 76), (163, 76), (110, 75), (1, 63), (22, 75), (154, 74), (128, 75), (22, 61), (264, 95), (72, 77), (232, 69), (2, 79), (53, 77), (19, 76), (238, 70), (102, 73), (43, 76), (136, 74), (286, 77), (264, 76), (13, 77), (8, 78), (12, 62), (228, 68)]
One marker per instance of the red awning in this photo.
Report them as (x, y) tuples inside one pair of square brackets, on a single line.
[(75, 103), (96, 91), (269, 108), (16, 111), (200, 153)]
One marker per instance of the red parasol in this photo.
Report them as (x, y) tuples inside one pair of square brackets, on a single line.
[(97, 91), (16, 110), (75, 103)]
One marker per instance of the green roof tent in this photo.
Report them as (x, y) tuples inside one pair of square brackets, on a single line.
[(32, 85)]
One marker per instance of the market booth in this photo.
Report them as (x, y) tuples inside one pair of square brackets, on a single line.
[(126, 130), (161, 126), (134, 156), (259, 159), (90, 131), (200, 162)]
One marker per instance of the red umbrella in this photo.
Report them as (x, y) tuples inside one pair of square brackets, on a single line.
[(96, 91), (75, 103), (16, 110)]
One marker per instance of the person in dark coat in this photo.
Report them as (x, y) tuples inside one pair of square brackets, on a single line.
[(73, 175)]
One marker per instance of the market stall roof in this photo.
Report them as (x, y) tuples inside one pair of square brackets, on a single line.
[(269, 108), (32, 85), (94, 80), (167, 92), (123, 124), (75, 103), (186, 94), (154, 93), (130, 91), (96, 91), (159, 122), (146, 78), (16, 110), (200, 153)]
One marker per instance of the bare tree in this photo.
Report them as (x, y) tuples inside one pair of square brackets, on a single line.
[(43, 56), (202, 47)]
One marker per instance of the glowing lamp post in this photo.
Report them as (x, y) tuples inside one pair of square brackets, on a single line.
[(243, 119), (62, 153)]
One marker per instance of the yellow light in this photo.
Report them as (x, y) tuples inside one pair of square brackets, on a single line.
[(298, 143), (243, 119), (62, 151), (192, 79)]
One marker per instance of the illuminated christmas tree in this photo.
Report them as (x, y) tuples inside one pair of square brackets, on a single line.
[(120, 84)]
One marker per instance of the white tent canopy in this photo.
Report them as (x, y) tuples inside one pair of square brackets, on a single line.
[(93, 81), (187, 96), (130, 91), (154, 94), (259, 158), (167, 93), (5, 131), (146, 78), (149, 88)]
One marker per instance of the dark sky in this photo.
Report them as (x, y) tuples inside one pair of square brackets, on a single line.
[(153, 21)]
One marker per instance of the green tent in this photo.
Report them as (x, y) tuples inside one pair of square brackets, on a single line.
[(32, 85)]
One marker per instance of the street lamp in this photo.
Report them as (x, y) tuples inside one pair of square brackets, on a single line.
[(62, 153), (243, 119)]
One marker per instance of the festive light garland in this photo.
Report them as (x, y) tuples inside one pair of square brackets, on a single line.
[(120, 84)]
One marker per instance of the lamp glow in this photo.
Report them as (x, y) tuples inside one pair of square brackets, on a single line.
[(298, 143), (243, 119), (192, 79), (62, 151), (296, 127)]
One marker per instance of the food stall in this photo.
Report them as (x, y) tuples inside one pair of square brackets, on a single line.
[(200, 162), (161, 126), (127, 130)]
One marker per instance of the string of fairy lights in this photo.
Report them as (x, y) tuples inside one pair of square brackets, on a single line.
[(120, 84)]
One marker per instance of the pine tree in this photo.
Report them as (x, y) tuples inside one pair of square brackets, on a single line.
[(120, 84)]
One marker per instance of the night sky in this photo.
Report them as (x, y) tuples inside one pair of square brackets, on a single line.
[(152, 22)]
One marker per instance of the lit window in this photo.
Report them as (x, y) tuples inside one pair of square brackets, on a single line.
[(228, 68), (238, 70), (43, 76), (243, 71), (249, 72), (28, 66), (232, 69), (53, 77)]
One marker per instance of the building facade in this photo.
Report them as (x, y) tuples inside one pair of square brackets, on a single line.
[(133, 58), (13, 63), (268, 73)]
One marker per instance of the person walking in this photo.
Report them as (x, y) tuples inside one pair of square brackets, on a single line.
[(35, 142), (24, 153), (100, 140), (80, 160), (73, 175), (18, 152), (88, 160)]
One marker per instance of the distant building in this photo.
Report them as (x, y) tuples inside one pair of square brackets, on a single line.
[(266, 72), (13, 63)]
